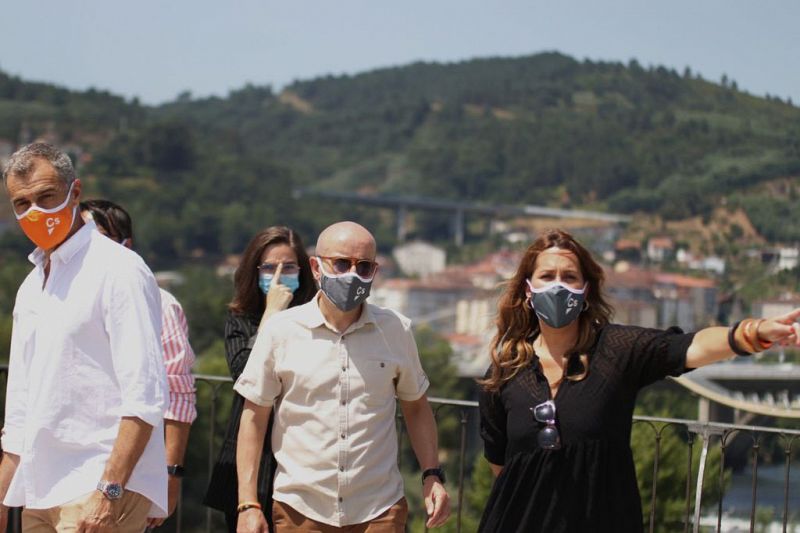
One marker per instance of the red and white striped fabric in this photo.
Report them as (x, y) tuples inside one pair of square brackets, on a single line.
[(178, 361)]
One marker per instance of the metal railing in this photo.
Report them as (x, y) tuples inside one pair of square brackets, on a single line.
[(712, 437)]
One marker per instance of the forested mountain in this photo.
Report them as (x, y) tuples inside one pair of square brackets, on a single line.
[(202, 174)]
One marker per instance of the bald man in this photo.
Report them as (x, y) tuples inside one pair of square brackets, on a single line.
[(331, 369)]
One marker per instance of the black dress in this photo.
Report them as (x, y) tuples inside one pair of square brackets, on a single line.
[(222, 493), (589, 485)]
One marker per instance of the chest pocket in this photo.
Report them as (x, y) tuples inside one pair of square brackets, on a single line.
[(378, 380)]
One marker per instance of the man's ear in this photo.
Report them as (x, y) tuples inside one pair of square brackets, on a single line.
[(76, 191), (315, 267)]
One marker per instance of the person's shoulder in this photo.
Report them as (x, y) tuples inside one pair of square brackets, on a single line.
[(620, 339), (294, 314), (613, 334), (113, 257), (387, 317), (167, 298)]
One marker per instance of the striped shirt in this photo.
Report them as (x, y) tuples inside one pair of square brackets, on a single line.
[(178, 361)]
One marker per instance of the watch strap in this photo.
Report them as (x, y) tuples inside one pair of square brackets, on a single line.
[(176, 470), (438, 472)]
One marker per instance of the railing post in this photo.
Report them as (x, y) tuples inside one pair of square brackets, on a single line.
[(655, 482), (722, 447), (788, 452), (690, 443), (461, 470), (755, 486), (705, 433), (212, 429)]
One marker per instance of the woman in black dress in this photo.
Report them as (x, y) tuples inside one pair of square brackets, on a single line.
[(274, 274), (557, 401)]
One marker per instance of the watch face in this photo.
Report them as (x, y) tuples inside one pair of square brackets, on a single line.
[(113, 491)]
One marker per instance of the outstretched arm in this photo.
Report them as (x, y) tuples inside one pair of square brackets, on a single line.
[(711, 344)]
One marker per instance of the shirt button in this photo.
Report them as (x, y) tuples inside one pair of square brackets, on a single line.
[(342, 435), (341, 469), (344, 369), (344, 402), (341, 499)]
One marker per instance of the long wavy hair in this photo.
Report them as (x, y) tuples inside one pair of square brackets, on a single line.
[(248, 298), (518, 326)]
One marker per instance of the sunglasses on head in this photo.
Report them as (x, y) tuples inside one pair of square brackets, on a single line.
[(342, 265), (548, 437)]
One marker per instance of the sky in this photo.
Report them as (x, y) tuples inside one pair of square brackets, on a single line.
[(154, 50)]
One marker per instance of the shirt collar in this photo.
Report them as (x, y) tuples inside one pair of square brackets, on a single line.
[(311, 315), (68, 248)]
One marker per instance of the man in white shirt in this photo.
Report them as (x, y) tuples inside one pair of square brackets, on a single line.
[(332, 369), (83, 444)]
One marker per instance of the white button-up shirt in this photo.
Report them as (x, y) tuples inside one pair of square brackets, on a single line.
[(334, 436), (85, 351)]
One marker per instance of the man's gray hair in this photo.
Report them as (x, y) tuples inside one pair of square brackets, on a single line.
[(22, 162)]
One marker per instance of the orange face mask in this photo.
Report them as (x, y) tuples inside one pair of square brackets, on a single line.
[(48, 228)]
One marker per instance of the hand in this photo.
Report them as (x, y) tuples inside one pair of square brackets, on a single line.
[(782, 329), (173, 492), (437, 502), (3, 517), (252, 521), (98, 515), (279, 296)]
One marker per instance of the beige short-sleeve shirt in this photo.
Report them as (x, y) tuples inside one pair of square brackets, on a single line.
[(333, 393)]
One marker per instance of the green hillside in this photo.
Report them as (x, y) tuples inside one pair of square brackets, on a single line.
[(202, 174)]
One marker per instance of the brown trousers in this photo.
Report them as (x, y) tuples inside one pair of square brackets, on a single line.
[(288, 520), (133, 511)]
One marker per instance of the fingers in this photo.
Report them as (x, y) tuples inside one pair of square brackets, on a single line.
[(780, 330), (154, 522), (437, 505), (789, 317), (276, 279)]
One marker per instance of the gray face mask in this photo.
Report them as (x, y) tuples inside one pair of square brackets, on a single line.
[(558, 305), (346, 291)]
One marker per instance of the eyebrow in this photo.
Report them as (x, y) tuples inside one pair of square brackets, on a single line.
[(552, 270), (35, 193)]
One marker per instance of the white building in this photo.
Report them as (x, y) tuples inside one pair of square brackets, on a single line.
[(419, 258)]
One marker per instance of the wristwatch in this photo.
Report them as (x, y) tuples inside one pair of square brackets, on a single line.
[(176, 470), (438, 472), (111, 490)]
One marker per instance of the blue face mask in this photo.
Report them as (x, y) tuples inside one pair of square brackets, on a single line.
[(291, 281)]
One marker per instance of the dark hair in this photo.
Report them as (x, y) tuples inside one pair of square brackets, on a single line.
[(110, 217), (248, 299), (517, 325)]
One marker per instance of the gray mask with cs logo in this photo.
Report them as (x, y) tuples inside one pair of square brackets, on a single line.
[(557, 304), (346, 291)]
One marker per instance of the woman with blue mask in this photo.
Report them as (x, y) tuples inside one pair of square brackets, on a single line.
[(557, 402), (274, 274)]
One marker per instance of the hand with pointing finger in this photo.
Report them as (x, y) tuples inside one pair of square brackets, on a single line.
[(783, 329), (279, 296)]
